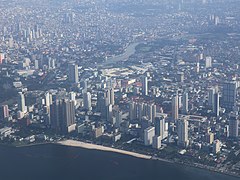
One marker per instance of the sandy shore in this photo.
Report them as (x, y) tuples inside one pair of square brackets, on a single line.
[(74, 143)]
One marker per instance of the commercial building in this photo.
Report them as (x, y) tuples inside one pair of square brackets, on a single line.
[(183, 132), (149, 133), (233, 125), (73, 73)]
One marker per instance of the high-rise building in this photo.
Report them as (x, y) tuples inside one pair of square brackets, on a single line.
[(118, 115), (197, 67), (156, 144), (132, 111), (208, 62), (36, 64), (100, 101), (139, 111), (47, 99), (233, 124), (107, 96), (229, 95), (149, 133), (216, 107), (183, 132), (87, 102), (62, 116), (21, 102), (175, 107), (160, 127), (47, 103), (109, 113), (2, 56), (72, 97), (149, 112), (154, 112), (210, 137), (73, 73), (56, 114), (185, 103), (211, 93), (145, 85), (216, 146), (70, 120), (4, 112), (112, 101)]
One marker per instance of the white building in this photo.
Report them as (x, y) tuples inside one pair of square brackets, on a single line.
[(21, 102), (208, 62), (185, 103), (149, 133), (87, 103), (156, 142)]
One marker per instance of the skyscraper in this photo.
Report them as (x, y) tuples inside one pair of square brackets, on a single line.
[(69, 110), (145, 85), (21, 102), (56, 114), (109, 113), (208, 62), (2, 56), (47, 99), (36, 64), (73, 73), (160, 126), (216, 107), (100, 101), (62, 116), (132, 111), (175, 107), (72, 97), (183, 132), (211, 93), (112, 101), (87, 103), (197, 67), (107, 97), (118, 115), (4, 112), (149, 112), (233, 124), (149, 133), (216, 146), (139, 110), (229, 94), (185, 103), (156, 144)]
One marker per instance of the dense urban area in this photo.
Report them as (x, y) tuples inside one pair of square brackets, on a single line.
[(159, 78)]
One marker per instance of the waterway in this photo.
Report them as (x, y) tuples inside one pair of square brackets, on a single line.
[(57, 162), (130, 50)]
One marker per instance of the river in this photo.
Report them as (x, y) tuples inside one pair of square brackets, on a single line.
[(130, 50)]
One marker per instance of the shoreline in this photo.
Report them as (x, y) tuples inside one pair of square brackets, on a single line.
[(74, 143)]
